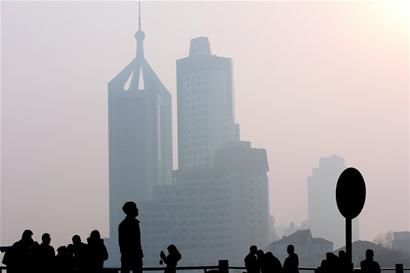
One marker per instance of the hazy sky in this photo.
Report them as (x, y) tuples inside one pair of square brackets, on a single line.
[(312, 79)]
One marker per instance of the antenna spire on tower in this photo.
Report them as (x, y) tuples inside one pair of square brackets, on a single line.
[(139, 15)]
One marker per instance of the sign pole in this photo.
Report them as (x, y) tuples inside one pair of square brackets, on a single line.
[(349, 239), (350, 199)]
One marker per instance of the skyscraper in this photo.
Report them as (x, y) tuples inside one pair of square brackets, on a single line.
[(218, 203), (140, 134), (205, 105), (325, 219)]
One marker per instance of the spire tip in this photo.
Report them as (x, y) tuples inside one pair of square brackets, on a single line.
[(139, 15)]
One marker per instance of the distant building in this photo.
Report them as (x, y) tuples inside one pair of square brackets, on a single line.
[(310, 250), (401, 241), (216, 204), (211, 214), (140, 137), (325, 220), (205, 106)]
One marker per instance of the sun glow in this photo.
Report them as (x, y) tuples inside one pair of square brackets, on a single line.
[(397, 9)]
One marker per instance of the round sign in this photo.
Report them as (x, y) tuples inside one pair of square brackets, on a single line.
[(350, 193)]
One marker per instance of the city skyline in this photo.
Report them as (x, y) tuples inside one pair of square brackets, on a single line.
[(247, 113)]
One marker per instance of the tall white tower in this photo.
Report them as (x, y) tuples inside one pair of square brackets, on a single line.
[(205, 106)]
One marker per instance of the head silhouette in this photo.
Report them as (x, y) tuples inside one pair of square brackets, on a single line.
[(172, 249), (130, 209), (76, 239), (95, 235), (269, 254), (26, 236), (46, 239), (253, 249), (291, 249), (260, 253), (369, 254), (62, 251)]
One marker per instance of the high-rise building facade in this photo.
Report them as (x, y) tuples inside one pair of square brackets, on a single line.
[(325, 220), (140, 134), (205, 105), (211, 214), (218, 204)]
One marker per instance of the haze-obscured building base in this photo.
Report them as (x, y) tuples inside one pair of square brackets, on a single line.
[(325, 220), (386, 257), (211, 214), (401, 241), (114, 256)]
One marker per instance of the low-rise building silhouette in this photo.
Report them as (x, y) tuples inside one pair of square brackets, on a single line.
[(310, 250), (386, 257)]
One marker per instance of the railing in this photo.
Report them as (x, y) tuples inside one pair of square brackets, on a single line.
[(222, 267)]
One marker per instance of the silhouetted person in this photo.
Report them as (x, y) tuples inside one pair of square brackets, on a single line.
[(344, 263), (271, 263), (291, 264), (78, 251), (251, 261), (332, 263), (62, 262), (261, 262), (369, 265), (96, 253), (44, 255), (19, 258), (129, 239), (322, 267), (171, 260)]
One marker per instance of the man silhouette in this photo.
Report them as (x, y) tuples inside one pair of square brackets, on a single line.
[(129, 239), (251, 261), (291, 264), (272, 264), (19, 258), (44, 255), (369, 265), (78, 254)]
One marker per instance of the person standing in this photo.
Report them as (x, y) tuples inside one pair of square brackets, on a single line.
[(272, 264), (44, 255), (78, 252), (19, 258), (291, 264), (96, 253), (129, 239), (369, 265), (251, 261), (171, 260)]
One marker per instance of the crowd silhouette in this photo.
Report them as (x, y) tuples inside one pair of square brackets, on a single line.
[(27, 255), (259, 262)]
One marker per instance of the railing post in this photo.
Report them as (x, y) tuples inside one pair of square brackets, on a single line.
[(223, 266), (399, 268)]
